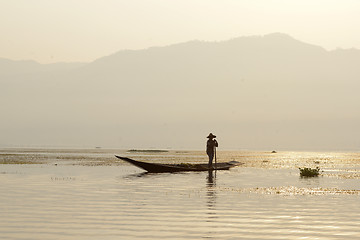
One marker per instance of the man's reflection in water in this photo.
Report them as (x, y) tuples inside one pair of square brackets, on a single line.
[(211, 205), (211, 190)]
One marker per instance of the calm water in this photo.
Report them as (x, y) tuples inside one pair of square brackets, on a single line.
[(88, 194)]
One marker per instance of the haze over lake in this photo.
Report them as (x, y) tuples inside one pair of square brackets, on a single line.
[(95, 93), (258, 92)]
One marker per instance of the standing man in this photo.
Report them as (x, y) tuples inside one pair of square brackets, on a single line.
[(210, 148)]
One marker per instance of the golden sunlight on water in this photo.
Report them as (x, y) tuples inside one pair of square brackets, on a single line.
[(88, 194)]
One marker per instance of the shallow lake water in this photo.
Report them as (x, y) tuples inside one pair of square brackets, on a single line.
[(88, 194)]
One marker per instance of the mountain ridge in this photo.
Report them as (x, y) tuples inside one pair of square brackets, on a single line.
[(272, 40), (266, 89)]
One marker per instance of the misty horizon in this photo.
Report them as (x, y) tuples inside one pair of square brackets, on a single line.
[(33, 61), (53, 32), (268, 92)]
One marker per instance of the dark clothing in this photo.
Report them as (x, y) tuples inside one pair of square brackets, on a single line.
[(210, 147)]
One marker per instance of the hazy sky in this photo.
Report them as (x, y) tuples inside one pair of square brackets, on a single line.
[(84, 30)]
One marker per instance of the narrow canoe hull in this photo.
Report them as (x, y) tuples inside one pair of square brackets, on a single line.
[(159, 168)]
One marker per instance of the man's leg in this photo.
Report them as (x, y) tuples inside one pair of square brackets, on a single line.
[(211, 157)]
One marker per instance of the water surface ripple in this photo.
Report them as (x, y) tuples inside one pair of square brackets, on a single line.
[(66, 201)]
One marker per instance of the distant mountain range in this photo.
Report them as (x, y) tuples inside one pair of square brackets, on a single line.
[(10, 67), (269, 91)]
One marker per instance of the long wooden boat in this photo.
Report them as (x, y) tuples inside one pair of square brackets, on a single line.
[(183, 167)]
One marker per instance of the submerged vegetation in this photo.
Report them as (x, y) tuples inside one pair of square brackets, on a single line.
[(147, 151), (18, 162), (19, 159), (309, 172)]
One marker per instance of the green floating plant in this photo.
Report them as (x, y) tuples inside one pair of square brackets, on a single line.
[(309, 172)]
